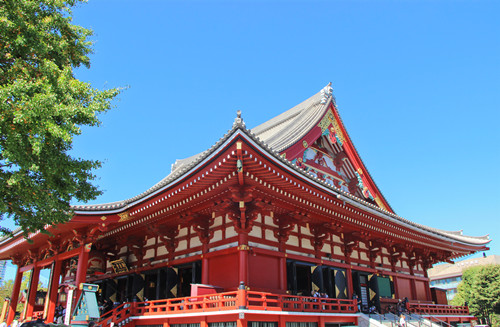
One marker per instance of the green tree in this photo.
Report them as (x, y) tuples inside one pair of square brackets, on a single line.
[(42, 107), (8, 286), (480, 288)]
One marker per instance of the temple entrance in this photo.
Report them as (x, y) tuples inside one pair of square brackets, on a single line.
[(188, 274), (299, 277), (335, 282), (370, 288), (162, 283), (303, 278), (121, 284)]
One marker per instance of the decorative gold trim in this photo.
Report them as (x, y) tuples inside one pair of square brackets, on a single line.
[(380, 203), (329, 120), (124, 216), (103, 218)]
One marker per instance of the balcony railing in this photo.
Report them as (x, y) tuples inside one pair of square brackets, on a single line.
[(278, 302), (439, 309), (203, 303), (243, 299), (240, 299)]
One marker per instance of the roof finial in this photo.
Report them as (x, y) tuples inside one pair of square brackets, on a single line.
[(238, 121), (326, 92)]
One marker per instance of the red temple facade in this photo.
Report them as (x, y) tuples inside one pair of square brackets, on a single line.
[(245, 234)]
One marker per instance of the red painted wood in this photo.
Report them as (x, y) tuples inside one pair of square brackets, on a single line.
[(14, 299), (53, 292), (32, 292), (81, 271), (224, 271), (264, 272)]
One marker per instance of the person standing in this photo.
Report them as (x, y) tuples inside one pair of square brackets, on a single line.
[(402, 321), (358, 301)]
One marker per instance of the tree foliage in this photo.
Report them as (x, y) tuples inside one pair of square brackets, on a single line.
[(8, 285), (42, 107), (480, 288)]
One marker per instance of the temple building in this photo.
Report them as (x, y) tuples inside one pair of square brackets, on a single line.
[(279, 225)]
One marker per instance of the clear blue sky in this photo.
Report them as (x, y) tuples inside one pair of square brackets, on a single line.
[(417, 84)]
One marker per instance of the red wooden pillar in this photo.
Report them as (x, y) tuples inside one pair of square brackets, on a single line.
[(204, 264), (427, 291), (14, 298), (282, 272), (395, 284), (413, 287), (427, 287), (350, 287), (241, 322), (321, 321), (243, 258), (242, 304), (283, 276), (53, 292), (81, 270), (32, 292), (282, 321)]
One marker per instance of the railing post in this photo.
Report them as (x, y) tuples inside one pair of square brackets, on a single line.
[(241, 302), (6, 303), (242, 296)]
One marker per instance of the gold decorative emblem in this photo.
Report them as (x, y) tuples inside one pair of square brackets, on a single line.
[(103, 218), (304, 143), (119, 266), (124, 216)]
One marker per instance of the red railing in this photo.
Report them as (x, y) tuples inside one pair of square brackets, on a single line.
[(210, 302), (121, 315), (438, 309), (278, 302)]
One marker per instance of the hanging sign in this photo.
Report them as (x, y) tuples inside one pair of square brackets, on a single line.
[(69, 303), (119, 266)]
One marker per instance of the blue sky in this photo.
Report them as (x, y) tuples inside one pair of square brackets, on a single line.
[(417, 84)]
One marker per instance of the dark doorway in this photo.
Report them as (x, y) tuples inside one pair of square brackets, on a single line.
[(335, 282), (299, 277), (188, 274), (171, 282), (121, 288)]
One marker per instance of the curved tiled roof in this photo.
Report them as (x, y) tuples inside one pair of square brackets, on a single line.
[(276, 135), (286, 129)]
